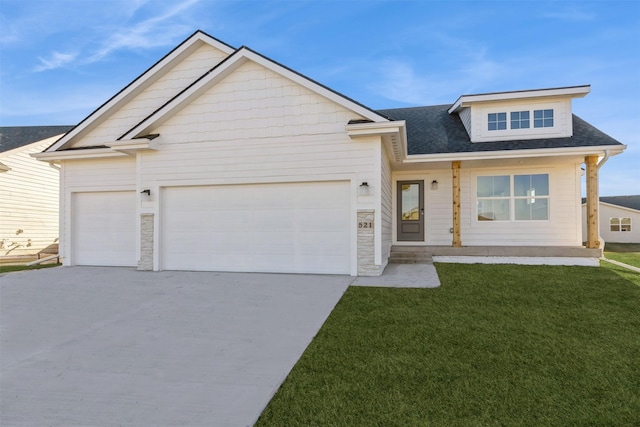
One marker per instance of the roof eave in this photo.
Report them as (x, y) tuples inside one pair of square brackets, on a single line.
[(512, 154)]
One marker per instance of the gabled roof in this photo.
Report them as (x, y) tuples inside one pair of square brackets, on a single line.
[(226, 67), (12, 137), (629, 202), (567, 91), (432, 130), (153, 73)]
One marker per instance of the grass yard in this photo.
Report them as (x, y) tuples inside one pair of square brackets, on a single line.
[(494, 345), (10, 268), (628, 253)]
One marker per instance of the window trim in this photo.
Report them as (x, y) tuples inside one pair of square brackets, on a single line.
[(531, 120), (619, 224), (512, 199)]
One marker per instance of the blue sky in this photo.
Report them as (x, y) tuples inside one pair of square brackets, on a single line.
[(61, 59)]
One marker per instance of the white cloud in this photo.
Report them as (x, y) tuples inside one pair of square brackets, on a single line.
[(55, 60), (152, 32)]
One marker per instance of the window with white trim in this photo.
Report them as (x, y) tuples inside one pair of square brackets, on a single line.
[(513, 197), (620, 224), (542, 118), (519, 120)]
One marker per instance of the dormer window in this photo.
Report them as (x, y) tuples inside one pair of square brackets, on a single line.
[(519, 120), (543, 118), (497, 121)]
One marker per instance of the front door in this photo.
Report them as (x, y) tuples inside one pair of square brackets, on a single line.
[(411, 211)]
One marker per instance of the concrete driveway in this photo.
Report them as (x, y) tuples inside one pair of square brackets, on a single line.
[(92, 346)]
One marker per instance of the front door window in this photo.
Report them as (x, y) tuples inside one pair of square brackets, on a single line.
[(410, 211)]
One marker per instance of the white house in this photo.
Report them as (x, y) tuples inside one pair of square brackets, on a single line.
[(219, 158), (28, 191), (619, 219)]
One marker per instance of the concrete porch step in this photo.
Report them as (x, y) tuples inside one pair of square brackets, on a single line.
[(410, 255)]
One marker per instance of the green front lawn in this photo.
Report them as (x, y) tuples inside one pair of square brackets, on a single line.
[(10, 268), (628, 253), (494, 345)]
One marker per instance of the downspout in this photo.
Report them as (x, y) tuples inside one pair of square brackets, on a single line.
[(54, 166), (604, 159)]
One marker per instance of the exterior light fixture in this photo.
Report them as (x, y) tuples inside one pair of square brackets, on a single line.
[(364, 189), (434, 184), (147, 192)]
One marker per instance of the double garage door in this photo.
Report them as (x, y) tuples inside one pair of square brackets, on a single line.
[(289, 228)]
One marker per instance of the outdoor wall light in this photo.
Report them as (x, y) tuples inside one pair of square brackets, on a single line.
[(434, 184), (364, 189), (147, 192)]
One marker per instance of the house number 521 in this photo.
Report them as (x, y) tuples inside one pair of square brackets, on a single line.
[(365, 224)]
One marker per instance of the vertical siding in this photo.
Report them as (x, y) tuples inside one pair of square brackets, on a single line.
[(386, 215), (28, 202), (169, 85)]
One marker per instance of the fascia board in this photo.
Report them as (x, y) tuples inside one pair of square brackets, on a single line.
[(130, 146), (467, 100), (514, 154), (180, 101), (223, 70), (314, 87), (618, 207), (375, 128), (140, 83), (92, 153)]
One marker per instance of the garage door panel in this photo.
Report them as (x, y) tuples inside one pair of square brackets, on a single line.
[(301, 228), (104, 228)]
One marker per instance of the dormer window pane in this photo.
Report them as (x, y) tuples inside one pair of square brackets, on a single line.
[(542, 118), (497, 121), (519, 120)]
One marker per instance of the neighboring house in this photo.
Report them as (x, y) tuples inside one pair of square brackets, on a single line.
[(219, 158), (28, 191), (619, 219)]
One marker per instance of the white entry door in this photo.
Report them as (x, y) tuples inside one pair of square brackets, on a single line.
[(288, 228), (104, 228)]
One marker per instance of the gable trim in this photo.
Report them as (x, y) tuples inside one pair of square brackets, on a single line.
[(572, 91), (225, 68), (153, 73)]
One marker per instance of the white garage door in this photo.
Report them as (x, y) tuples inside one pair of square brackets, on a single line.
[(104, 228), (288, 228)]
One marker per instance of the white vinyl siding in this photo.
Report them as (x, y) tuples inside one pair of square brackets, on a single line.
[(561, 229), (28, 201), (158, 93), (386, 206), (607, 211), (256, 126)]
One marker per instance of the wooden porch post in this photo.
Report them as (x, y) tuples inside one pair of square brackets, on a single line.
[(592, 202), (455, 171)]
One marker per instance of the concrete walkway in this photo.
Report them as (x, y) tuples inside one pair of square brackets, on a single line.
[(403, 276), (86, 346)]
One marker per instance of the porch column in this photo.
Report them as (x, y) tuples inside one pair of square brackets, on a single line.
[(592, 202), (455, 171)]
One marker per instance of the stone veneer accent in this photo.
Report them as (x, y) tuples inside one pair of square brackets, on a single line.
[(145, 262), (366, 244)]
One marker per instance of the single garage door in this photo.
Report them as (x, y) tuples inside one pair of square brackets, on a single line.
[(104, 228), (287, 228)]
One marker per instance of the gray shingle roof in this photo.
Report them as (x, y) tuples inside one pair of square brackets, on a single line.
[(17, 136), (631, 202), (432, 130)]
